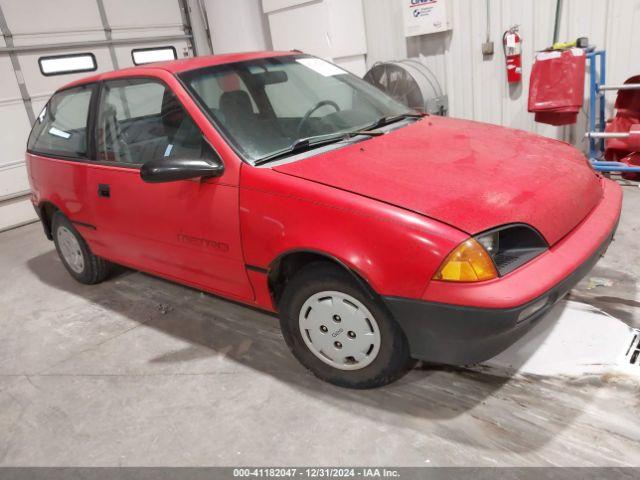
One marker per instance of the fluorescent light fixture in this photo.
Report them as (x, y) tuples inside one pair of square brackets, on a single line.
[(149, 55), (61, 64)]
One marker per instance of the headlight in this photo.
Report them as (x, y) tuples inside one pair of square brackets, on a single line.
[(491, 254), (490, 242)]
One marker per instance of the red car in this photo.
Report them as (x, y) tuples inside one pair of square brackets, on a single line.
[(378, 234)]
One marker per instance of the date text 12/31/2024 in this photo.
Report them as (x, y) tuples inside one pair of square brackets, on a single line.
[(315, 472)]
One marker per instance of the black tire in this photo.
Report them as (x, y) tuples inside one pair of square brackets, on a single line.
[(392, 360), (95, 269)]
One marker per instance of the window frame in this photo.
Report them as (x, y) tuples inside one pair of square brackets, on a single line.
[(202, 106), (96, 111), (149, 49), (89, 155), (69, 55)]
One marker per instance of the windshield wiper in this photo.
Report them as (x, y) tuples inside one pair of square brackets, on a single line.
[(309, 143), (382, 121)]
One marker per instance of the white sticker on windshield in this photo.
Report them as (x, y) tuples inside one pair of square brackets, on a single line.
[(322, 67), (59, 133)]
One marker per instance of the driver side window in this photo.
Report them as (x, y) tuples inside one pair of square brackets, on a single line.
[(141, 119)]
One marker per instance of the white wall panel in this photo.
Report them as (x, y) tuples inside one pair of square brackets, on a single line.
[(477, 86), (332, 29), (9, 91), (17, 211), (237, 26), (346, 28), (384, 41), (40, 19), (143, 15), (303, 27), (14, 178), (623, 41), (14, 130), (273, 5)]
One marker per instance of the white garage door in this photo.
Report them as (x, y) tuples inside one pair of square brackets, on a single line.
[(45, 35)]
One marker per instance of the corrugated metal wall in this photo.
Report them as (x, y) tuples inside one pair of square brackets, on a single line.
[(477, 86)]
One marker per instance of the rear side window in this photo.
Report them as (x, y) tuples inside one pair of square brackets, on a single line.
[(141, 119), (61, 128)]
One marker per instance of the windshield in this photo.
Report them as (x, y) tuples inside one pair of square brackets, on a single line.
[(265, 106)]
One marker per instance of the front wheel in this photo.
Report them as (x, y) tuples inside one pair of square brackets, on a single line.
[(339, 332)]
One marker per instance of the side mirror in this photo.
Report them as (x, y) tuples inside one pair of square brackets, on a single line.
[(183, 167)]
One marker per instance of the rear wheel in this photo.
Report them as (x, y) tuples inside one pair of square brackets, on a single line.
[(336, 330), (75, 254)]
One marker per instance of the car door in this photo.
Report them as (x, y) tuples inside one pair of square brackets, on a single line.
[(185, 230)]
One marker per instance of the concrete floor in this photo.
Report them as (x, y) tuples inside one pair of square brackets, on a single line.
[(138, 371)]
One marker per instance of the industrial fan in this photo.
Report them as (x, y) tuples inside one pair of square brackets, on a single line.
[(411, 83)]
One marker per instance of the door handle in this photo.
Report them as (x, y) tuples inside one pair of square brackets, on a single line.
[(104, 190)]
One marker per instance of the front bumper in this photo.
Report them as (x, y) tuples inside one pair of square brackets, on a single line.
[(463, 335)]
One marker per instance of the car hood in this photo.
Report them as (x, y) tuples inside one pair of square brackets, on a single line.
[(470, 175)]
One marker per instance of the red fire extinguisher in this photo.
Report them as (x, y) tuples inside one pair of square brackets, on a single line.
[(512, 45)]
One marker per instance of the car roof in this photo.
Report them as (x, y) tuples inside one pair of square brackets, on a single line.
[(182, 65)]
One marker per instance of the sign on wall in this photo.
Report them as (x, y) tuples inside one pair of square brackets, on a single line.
[(426, 16)]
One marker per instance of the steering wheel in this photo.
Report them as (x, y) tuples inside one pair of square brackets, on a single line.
[(311, 111)]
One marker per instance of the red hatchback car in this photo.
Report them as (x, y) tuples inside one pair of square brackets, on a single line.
[(379, 235)]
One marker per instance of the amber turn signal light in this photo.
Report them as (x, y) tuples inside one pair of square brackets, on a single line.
[(468, 262)]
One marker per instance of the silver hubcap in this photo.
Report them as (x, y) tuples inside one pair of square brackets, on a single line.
[(70, 249), (339, 330)]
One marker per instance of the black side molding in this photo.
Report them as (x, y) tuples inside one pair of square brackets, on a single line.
[(82, 224), (254, 268)]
